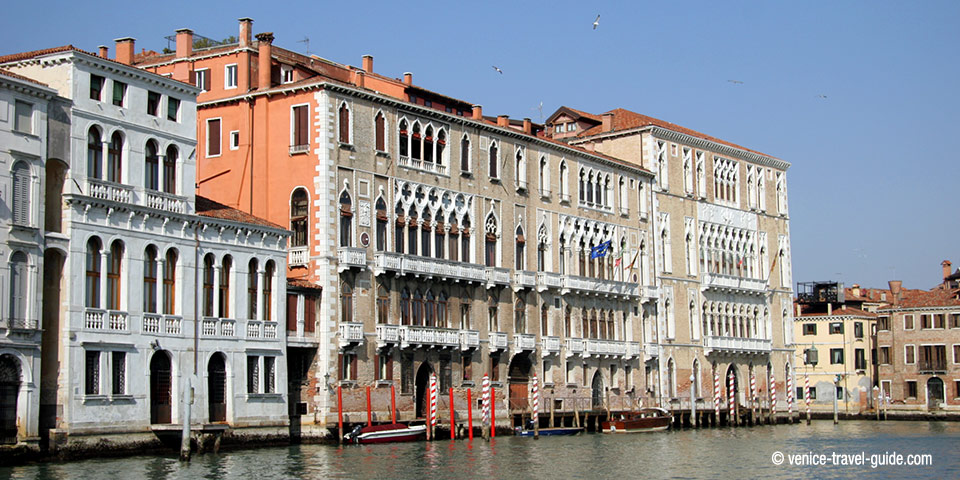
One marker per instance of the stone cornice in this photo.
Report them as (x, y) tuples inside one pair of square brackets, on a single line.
[(23, 86)]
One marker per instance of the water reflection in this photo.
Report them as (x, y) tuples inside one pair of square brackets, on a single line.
[(744, 452)]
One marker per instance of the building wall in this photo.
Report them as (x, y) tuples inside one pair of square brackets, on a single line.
[(857, 383)]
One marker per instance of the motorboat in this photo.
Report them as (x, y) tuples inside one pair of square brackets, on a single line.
[(391, 432), (644, 420)]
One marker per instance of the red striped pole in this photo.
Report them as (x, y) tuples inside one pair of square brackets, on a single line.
[(369, 409), (773, 397), (485, 405), (716, 396), (790, 396), (536, 407), (452, 430), (470, 414), (393, 404), (806, 394), (731, 400), (493, 412), (340, 412)]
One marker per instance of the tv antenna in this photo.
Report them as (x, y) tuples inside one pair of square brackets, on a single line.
[(306, 43)]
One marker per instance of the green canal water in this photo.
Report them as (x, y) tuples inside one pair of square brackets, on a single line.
[(711, 453)]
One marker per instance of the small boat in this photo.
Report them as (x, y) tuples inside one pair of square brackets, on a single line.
[(644, 420), (393, 432), (521, 432)]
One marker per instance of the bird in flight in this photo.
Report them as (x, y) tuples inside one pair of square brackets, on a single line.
[(596, 22), (821, 96), (498, 69), (735, 82)]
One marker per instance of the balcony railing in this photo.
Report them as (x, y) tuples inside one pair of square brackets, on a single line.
[(253, 328), (737, 344), (298, 256), (19, 324), (350, 333), (549, 345), (497, 276), (387, 335), (932, 367), (634, 350), (431, 267), (715, 281), (598, 286), (575, 346), (498, 341), (115, 320), (524, 342), (605, 348), (651, 350), (417, 336), (469, 339), (548, 280), (258, 329), (418, 164), (295, 149), (109, 191), (218, 327), (351, 257), (166, 202), (161, 325), (523, 279)]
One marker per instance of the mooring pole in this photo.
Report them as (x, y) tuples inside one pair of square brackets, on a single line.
[(469, 414), (393, 405), (452, 414), (493, 412), (185, 438), (340, 413)]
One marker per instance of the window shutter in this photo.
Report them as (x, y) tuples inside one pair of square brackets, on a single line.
[(353, 367), (21, 194), (389, 367), (309, 314), (193, 77), (922, 351), (206, 80), (292, 312), (340, 366)]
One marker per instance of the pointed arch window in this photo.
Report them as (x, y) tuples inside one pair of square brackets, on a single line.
[(170, 170), (412, 225), (441, 145), (443, 315), (544, 319), (92, 287), (225, 267), (417, 315), (398, 236), (564, 178), (494, 160), (453, 240), (380, 132), (115, 158), (344, 116), (346, 219), (381, 208), (346, 302), (544, 177), (94, 153), (428, 142), (430, 310), (170, 282), (253, 277), (405, 307), (520, 316), (439, 233), (521, 249), (465, 153), (425, 234), (150, 280), (404, 139), (541, 257), (465, 241), (490, 245), (567, 321), (416, 139), (299, 212), (152, 166), (493, 308), (521, 169), (383, 305)]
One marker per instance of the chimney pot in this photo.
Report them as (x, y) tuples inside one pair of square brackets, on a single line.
[(246, 30), (527, 126), (407, 78), (264, 60), (478, 112), (184, 42), (103, 51), (358, 78), (125, 48), (607, 122), (367, 63), (896, 288), (856, 289), (947, 270), (503, 120)]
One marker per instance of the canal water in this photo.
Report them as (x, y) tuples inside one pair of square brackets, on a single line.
[(710, 453)]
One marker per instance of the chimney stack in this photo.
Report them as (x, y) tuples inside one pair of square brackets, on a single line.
[(103, 51), (358, 78), (184, 43), (124, 47), (896, 288), (503, 120), (527, 126), (607, 122), (407, 78), (829, 308), (265, 60), (367, 63), (478, 112), (246, 31), (855, 290), (947, 271)]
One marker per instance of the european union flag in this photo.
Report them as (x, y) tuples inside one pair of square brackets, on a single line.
[(600, 250)]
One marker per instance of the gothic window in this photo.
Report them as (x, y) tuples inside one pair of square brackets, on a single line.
[(152, 167), (442, 313), (520, 316), (299, 211), (346, 302), (430, 310), (494, 160), (398, 236), (94, 153), (405, 307), (465, 153), (520, 251), (417, 317), (380, 131), (344, 117), (381, 208), (115, 158), (428, 145), (92, 289), (425, 234), (465, 241), (346, 217), (404, 138), (416, 143)]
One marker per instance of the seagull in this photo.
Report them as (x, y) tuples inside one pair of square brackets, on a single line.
[(735, 82), (822, 96), (498, 69), (596, 22)]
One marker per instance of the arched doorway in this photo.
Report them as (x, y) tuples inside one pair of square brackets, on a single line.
[(422, 385), (935, 393), (519, 377), (217, 388), (732, 370), (160, 391), (9, 390), (597, 390)]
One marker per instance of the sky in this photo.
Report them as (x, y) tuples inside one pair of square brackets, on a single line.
[(860, 96)]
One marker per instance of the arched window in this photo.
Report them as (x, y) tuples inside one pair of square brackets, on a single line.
[(253, 278), (346, 302), (115, 158), (150, 280), (443, 316), (590, 189), (268, 273), (344, 123), (582, 193), (383, 305), (521, 169), (94, 153), (441, 145), (225, 267), (594, 326), (493, 303), (417, 316), (425, 234), (567, 322), (490, 245), (671, 379), (544, 177), (544, 319), (21, 193), (564, 178), (92, 287), (170, 282), (380, 129), (494, 160), (18, 288), (412, 225), (520, 316), (170, 170), (465, 153), (623, 195), (520, 252), (151, 180), (398, 236), (208, 283), (114, 266), (465, 241), (416, 143), (346, 216), (541, 257), (299, 212), (405, 307), (381, 208), (562, 256), (439, 232), (430, 310), (404, 139), (453, 240), (428, 145)]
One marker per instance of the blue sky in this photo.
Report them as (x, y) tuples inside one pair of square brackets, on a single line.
[(873, 184)]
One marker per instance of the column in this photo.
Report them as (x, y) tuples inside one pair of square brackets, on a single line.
[(104, 250), (260, 305), (216, 291)]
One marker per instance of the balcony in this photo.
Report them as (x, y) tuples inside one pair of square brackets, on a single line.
[(218, 327), (651, 292), (497, 276), (524, 279), (166, 202), (19, 324), (524, 342), (416, 336), (932, 367), (600, 287), (548, 280), (732, 284), (297, 256), (161, 325), (736, 345), (109, 191), (605, 348), (549, 346), (404, 264), (418, 164), (351, 257), (295, 149), (469, 339), (575, 346), (651, 350), (350, 333), (387, 335), (498, 341), (113, 320), (634, 350), (257, 329)]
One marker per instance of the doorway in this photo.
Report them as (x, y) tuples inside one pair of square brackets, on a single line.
[(9, 390), (422, 386), (519, 377), (217, 388), (596, 397), (160, 391), (935, 393)]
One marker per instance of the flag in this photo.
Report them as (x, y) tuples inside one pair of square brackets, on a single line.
[(600, 250), (634, 261), (743, 255), (772, 266)]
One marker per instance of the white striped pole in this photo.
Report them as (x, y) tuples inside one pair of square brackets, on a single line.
[(806, 394), (773, 396), (790, 395), (716, 396), (433, 400), (485, 402), (731, 399), (753, 397), (536, 399)]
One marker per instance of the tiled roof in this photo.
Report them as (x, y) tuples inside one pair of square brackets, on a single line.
[(16, 57), (912, 298), (838, 312), (10, 74), (212, 209), (303, 284)]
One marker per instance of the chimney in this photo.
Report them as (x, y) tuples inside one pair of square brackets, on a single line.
[(947, 271), (503, 120), (829, 308), (358, 78), (527, 126), (478, 112), (184, 43), (799, 310), (407, 78), (265, 54), (607, 120), (246, 29), (124, 47), (103, 51), (367, 63), (855, 290), (896, 288)]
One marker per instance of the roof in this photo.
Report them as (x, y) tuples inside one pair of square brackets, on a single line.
[(10, 74), (212, 209), (300, 283), (577, 114), (841, 312)]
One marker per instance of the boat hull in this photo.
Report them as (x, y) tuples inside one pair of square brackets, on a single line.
[(390, 433), (652, 420), (551, 431)]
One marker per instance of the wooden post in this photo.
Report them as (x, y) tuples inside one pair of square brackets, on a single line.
[(369, 409), (552, 424), (470, 414), (452, 415), (340, 413), (493, 412), (576, 414), (393, 404)]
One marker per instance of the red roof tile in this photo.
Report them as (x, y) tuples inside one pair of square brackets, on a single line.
[(16, 57), (212, 209), (303, 284), (10, 74)]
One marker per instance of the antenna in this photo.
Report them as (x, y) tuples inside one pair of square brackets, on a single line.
[(306, 42)]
